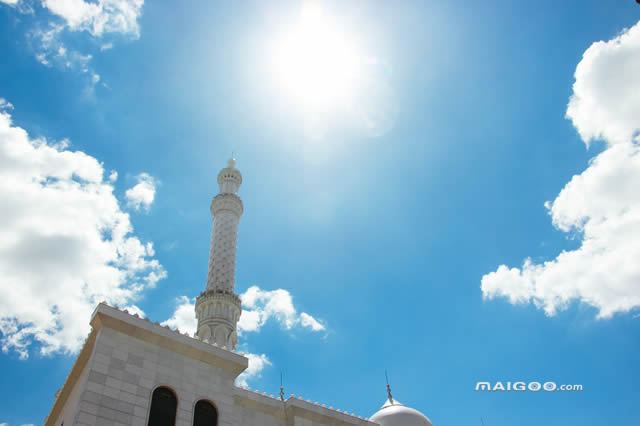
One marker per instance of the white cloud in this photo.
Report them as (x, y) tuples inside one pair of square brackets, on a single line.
[(101, 19), (7, 424), (134, 310), (184, 317), (307, 320), (603, 104), (143, 193), (602, 204), (98, 18), (260, 305), (249, 321), (25, 7), (65, 244), (4, 104), (47, 44), (50, 51), (257, 363)]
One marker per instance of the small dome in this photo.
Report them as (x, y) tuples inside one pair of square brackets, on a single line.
[(393, 413)]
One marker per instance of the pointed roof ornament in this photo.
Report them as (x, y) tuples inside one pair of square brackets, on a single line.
[(393, 413), (281, 388), (388, 387)]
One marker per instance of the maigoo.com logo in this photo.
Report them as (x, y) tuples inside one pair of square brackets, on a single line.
[(524, 386)]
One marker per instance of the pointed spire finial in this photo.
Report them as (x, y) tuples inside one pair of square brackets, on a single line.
[(281, 388), (388, 387)]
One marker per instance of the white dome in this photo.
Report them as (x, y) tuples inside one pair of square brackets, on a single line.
[(393, 413)]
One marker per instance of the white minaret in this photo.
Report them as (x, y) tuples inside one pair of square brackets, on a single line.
[(218, 307)]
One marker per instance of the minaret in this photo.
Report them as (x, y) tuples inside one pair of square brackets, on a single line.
[(218, 307)]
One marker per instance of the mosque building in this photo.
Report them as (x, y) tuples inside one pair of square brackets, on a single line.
[(133, 372)]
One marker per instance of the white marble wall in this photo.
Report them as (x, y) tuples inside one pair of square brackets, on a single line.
[(245, 416), (126, 358), (68, 413), (124, 371)]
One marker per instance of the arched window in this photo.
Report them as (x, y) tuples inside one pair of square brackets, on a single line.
[(163, 408), (205, 414)]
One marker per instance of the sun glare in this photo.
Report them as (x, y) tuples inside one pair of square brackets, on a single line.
[(315, 62)]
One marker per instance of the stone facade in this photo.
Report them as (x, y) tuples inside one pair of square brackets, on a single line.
[(126, 358)]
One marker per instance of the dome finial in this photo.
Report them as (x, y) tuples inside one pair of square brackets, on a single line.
[(388, 387), (232, 161)]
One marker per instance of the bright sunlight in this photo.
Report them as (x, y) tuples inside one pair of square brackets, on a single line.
[(315, 62)]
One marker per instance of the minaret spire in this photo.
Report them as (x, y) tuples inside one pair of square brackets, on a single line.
[(218, 307)]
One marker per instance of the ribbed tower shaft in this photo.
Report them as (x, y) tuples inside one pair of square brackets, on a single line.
[(218, 307), (226, 209)]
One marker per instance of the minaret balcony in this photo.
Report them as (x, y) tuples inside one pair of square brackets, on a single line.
[(227, 201)]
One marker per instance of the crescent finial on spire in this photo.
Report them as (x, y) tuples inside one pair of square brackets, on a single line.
[(388, 387)]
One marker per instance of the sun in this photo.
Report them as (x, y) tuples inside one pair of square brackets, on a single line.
[(315, 62)]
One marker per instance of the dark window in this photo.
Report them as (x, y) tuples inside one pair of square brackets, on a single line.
[(205, 414), (163, 408)]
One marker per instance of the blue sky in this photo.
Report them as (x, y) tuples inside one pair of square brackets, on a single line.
[(395, 212)]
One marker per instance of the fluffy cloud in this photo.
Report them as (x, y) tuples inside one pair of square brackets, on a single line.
[(98, 18), (134, 310), (51, 52), (605, 101), (184, 317), (257, 363), (307, 320), (602, 204), (258, 306), (261, 305), (102, 19), (65, 244), (143, 193), (22, 6)]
